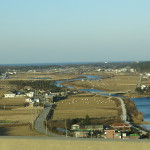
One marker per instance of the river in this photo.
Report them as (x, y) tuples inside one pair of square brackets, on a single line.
[(143, 105)]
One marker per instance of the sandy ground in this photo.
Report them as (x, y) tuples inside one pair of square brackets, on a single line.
[(80, 105), (66, 144)]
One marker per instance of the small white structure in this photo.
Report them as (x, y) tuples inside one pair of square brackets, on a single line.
[(144, 87), (37, 100), (28, 100), (30, 94), (9, 95), (75, 127)]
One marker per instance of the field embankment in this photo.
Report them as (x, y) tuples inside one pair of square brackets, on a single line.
[(132, 113), (69, 144)]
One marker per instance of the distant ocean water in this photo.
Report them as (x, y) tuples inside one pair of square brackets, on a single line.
[(43, 64), (64, 63)]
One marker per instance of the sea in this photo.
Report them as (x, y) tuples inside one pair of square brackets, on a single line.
[(61, 63)]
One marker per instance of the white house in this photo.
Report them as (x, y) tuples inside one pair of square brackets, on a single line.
[(30, 94), (28, 100), (9, 95), (37, 100), (75, 127), (144, 87)]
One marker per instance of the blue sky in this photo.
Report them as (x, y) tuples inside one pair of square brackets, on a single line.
[(51, 31)]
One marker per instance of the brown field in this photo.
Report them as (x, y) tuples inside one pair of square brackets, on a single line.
[(2, 92), (78, 106), (13, 101), (18, 130), (116, 83), (39, 75), (12, 109), (22, 115), (10, 114)]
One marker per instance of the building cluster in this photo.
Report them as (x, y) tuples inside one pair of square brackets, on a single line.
[(35, 98), (115, 131), (121, 70)]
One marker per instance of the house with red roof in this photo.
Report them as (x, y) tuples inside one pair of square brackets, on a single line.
[(121, 126)]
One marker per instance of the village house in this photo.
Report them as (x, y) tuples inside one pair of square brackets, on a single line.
[(36, 100), (75, 127), (134, 136), (9, 95), (94, 127), (81, 133), (30, 94), (29, 102), (109, 134), (121, 126), (112, 134)]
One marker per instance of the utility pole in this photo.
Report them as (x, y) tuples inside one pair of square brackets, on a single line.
[(46, 126), (66, 127)]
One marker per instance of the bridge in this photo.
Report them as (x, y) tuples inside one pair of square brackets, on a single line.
[(139, 82), (112, 92)]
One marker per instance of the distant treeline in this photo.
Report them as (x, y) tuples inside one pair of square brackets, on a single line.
[(37, 84), (139, 66)]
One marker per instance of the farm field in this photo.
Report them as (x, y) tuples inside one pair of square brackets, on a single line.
[(115, 83), (39, 75), (19, 101), (12, 109), (18, 130), (23, 115), (15, 119), (78, 106)]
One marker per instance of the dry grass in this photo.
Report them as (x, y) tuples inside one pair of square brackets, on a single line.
[(116, 83), (79, 106), (2, 92), (13, 101), (20, 114), (17, 114), (39, 75), (18, 130), (12, 109)]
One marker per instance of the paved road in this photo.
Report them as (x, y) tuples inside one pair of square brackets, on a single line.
[(124, 117), (39, 122), (124, 114), (140, 80)]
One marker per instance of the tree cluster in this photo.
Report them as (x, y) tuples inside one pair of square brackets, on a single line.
[(37, 84)]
